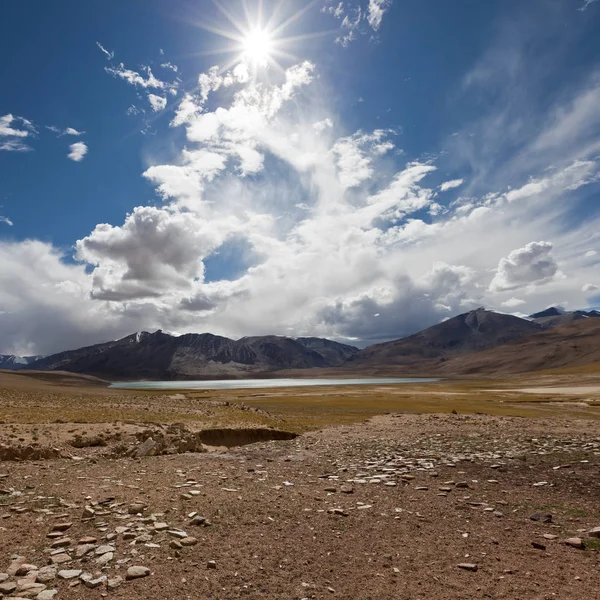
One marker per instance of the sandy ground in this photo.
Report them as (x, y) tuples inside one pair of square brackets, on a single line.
[(572, 390)]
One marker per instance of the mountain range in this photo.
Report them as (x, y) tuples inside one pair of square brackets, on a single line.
[(480, 341), (14, 363)]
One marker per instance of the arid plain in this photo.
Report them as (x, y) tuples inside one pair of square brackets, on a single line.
[(455, 489)]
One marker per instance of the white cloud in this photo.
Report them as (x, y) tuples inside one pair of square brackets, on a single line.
[(513, 302), (67, 131), (339, 235), (6, 220), (590, 287), (590, 254), (357, 18), (78, 150), (377, 8), (134, 78), (13, 131), (72, 131), (354, 155), (133, 110), (168, 65), (321, 126), (449, 185), (585, 4), (157, 103), (109, 55), (531, 264)]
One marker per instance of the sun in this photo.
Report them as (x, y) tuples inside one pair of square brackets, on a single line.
[(258, 47), (257, 39)]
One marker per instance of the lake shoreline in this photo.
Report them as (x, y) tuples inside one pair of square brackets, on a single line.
[(265, 383)]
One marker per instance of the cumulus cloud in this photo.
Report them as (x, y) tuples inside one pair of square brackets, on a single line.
[(78, 150), (590, 287), (354, 155), (531, 264), (157, 103), (513, 302), (13, 131), (449, 185)]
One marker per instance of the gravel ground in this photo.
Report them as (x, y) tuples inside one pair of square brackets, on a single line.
[(387, 509)]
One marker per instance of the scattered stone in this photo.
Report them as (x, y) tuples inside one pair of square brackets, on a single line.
[(104, 549), (69, 573), (81, 551), (46, 574), (461, 484), (25, 568), (114, 583), (575, 542), (467, 566), (549, 536), (137, 508), (337, 511), (30, 589), (148, 448), (92, 583), (595, 532), (211, 564), (62, 526), (8, 587), (104, 559), (188, 541), (177, 533), (346, 489), (3, 577), (88, 540), (88, 513), (61, 543), (59, 559), (137, 572), (160, 526), (175, 545), (538, 545), (46, 595), (543, 517)]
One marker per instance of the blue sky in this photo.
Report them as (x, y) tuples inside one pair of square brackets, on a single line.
[(356, 170)]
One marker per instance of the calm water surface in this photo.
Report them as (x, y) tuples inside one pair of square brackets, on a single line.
[(229, 384)]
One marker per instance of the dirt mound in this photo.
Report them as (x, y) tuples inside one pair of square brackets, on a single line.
[(27, 453), (242, 437)]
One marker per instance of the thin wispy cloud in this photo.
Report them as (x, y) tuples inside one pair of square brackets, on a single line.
[(450, 185), (68, 131), (357, 18), (13, 132), (109, 55), (6, 220)]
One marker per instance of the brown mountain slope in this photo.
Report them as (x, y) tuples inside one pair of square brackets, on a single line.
[(470, 332), (576, 344)]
